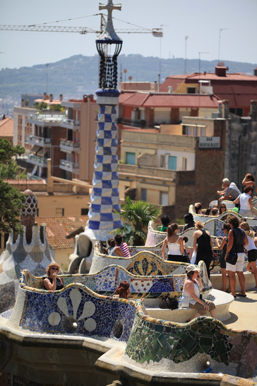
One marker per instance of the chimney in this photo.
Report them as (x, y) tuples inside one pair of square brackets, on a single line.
[(255, 72), (253, 110), (170, 89), (45, 96), (51, 97), (61, 98), (22, 103)]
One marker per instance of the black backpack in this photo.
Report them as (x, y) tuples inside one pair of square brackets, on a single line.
[(169, 303)]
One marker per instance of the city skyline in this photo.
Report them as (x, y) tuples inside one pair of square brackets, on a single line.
[(196, 29)]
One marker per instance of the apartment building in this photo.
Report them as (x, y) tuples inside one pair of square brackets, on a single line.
[(67, 136)]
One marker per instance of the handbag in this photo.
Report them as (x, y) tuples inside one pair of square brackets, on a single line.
[(168, 303), (193, 258), (231, 258)]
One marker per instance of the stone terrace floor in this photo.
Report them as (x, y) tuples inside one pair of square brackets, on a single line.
[(244, 312)]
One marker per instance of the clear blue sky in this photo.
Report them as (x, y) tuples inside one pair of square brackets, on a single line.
[(200, 20)]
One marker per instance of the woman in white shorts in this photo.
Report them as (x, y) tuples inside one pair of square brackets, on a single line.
[(237, 240)]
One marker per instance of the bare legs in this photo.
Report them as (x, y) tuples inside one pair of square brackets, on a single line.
[(224, 280), (232, 280), (241, 278), (251, 267)]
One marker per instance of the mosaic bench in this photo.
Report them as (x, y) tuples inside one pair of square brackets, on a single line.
[(203, 339), (107, 281), (74, 310)]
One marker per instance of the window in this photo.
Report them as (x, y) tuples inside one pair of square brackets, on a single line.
[(164, 198), (143, 195), (130, 158), (195, 131), (184, 163), (172, 163), (203, 131), (84, 211), (191, 90), (59, 212)]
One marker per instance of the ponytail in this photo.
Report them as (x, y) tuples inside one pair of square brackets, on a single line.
[(171, 229)]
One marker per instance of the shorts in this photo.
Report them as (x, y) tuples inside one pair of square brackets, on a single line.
[(239, 266), (178, 258), (252, 255), (199, 307)]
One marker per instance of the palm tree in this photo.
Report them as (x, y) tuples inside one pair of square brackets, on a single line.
[(136, 216)]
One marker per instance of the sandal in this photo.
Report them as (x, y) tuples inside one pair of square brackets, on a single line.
[(242, 296)]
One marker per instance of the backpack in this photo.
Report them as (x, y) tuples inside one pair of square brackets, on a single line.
[(168, 303)]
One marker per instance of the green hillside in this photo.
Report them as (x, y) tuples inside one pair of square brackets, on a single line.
[(78, 74)]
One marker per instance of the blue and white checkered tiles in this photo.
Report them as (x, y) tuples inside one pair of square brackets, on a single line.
[(105, 193)]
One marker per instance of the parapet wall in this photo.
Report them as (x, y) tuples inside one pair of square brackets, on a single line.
[(229, 351)]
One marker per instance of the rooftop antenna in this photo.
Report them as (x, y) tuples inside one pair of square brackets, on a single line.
[(186, 37), (221, 29)]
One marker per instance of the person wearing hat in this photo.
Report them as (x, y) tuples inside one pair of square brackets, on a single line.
[(230, 190), (191, 293)]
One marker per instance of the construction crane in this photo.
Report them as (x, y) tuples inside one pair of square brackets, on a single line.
[(157, 32)]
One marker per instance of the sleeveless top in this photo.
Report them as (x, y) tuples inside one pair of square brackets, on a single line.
[(238, 243), (186, 298), (174, 248), (244, 201), (111, 251), (203, 243), (59, 285), (251, 244)]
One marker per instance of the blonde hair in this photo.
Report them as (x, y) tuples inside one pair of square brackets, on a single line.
[(199, 225), (246, 227)]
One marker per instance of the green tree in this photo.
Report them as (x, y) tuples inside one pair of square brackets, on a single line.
[(11, 171), (136, 216), (11, 200)]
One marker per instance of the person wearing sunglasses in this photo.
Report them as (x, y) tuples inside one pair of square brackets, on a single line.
[(53, 282)]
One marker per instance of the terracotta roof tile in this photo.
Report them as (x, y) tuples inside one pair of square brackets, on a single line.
[(59, 227), (172, 100), (6, 128)]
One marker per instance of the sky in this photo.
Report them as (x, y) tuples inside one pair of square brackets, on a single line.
[(200, 20)]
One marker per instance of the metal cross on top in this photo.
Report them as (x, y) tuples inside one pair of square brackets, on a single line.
[(110, 7)]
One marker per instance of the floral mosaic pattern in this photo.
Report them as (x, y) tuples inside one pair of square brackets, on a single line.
[(154, 339), (76, 311)]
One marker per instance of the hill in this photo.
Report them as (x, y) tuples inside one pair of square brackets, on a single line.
[(78, 74)]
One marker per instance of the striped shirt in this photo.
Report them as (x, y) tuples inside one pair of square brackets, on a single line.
[(124, 249)]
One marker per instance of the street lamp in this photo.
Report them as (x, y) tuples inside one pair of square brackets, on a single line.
[(221, 29)]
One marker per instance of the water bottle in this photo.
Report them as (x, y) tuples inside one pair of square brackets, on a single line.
[(180, 302)]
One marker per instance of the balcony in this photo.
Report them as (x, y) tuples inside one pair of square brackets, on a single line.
[(45, 119), (69, 146), (72, 124), (36, 160), (40, 141), (69, 166)]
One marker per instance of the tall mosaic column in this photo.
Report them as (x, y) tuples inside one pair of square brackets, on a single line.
[(105, 192)]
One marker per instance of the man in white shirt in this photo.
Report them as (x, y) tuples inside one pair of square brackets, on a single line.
[(230, 190)]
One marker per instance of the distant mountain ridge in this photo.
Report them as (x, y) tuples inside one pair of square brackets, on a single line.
[(78, 74)]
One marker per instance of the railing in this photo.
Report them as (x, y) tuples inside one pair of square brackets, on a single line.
[(70, 144), (71, 122), (35, 158), (39, 140), (69, 164), (46, 117)]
